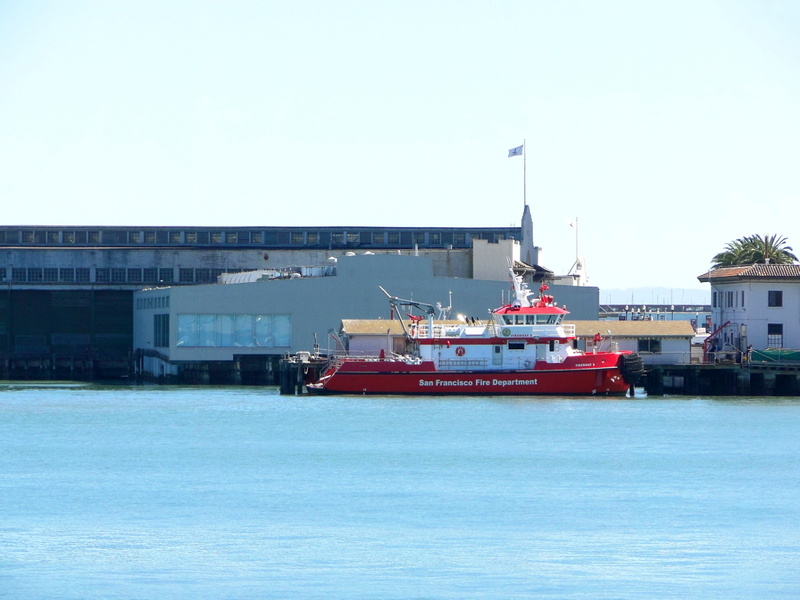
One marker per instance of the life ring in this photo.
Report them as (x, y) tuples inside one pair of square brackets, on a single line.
[(460, 351), (506, 331)]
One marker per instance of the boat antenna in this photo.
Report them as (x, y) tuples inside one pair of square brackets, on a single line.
[(574, 225)]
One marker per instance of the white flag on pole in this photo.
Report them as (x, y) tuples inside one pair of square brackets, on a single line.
[(515, 151)]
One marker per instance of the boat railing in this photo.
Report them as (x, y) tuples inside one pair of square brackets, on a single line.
[(423, 331), (456, 364), (336, 360)]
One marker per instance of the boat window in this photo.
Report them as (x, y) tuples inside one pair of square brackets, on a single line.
[(516, 345), (520, 319), (508, 319), (530, 319)]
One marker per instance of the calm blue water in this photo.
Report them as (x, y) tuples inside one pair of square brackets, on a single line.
[(161, 493)]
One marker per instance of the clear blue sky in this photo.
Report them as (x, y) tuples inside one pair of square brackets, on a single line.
[(667, 128)]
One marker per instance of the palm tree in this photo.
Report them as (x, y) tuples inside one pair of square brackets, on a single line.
[(733, 254), (753, 249)]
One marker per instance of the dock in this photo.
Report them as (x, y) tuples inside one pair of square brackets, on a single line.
[(724, 379)]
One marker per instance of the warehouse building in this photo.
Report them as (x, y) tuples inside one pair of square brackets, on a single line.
[(66, 306)]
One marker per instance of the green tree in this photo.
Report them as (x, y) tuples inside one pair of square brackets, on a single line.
[(754, 249)]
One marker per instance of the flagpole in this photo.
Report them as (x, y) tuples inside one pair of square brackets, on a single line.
[(524, 175)]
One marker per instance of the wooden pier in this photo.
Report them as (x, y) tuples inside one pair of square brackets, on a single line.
[(723, 379), (298, 370)]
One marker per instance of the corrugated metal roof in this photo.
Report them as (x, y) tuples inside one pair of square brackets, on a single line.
[(634, 329), (373, 326), (752, 272)]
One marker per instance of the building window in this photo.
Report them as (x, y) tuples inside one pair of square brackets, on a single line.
[(165, 276), (459, 239), (297, 237), (134, 276), (775, 298), (102, 275), (186, 275), (234, 331), (118, 275), (650, 346), (82, 275), (394, 238), (419, 238), (774, 335), (19, 274), (51, 275), (202, 275), (161, 331), (135, 237), (256, 237), (52, 237), (150, 275), (34, 275), (67, 275)]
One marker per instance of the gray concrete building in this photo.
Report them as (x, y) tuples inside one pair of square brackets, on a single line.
[(231, 333)]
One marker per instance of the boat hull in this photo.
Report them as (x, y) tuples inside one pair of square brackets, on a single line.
[(422, 381)]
